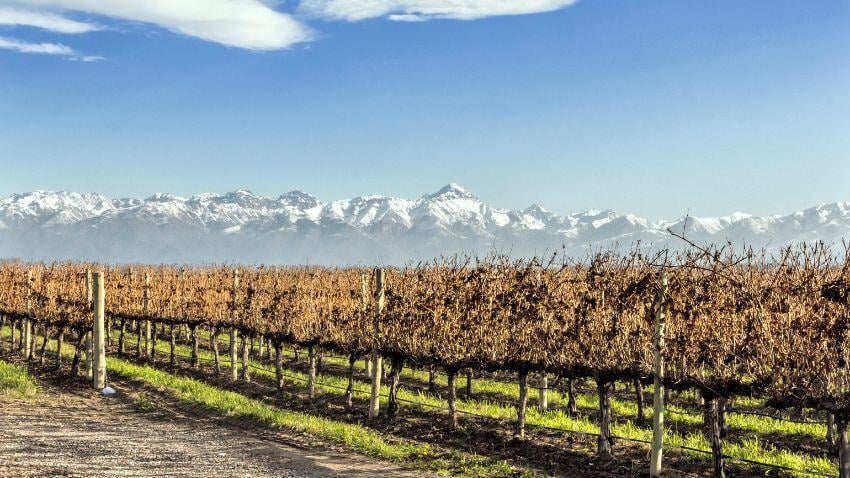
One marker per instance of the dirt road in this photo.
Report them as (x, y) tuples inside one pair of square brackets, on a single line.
[(72, 432)]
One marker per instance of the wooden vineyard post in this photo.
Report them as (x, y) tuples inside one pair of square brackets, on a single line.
[(193, 334), (172, 344), (26, 332), (60, 339), (278, 365), (469, 383), (246, 358), (451, 373), (375, 397), (262, 347), (123, 330), (349, 390), (658, 385), (367, 360), (572, 406), (830, 430), (234, 368), (153, 325), (14, 325), (311, 371), (99, 332), (542, 398), (89, 344), (214, 348), (146, 299)]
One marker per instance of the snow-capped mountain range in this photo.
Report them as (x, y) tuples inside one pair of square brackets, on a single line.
[(298, 228)]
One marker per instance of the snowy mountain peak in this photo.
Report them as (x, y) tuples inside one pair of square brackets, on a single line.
[(164, 197), (452, 191), (299, 199)]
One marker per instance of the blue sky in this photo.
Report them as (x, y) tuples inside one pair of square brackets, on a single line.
[(651, 107)]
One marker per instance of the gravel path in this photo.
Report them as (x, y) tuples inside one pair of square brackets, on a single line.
[(79, 433)]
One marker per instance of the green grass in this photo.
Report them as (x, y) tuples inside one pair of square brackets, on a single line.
[(144, 404), (16, 382), (410, 455), (750, 448)]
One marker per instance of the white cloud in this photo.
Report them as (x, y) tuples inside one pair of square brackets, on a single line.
[(417, 10), (249, 24), (46, 20), (38, 48), (407, 17)]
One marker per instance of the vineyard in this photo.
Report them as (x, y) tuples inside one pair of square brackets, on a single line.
[(721, 326)]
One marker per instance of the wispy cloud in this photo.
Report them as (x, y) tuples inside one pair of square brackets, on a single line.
[(418, 10), (249, 24), (37, 48), (10, 15)]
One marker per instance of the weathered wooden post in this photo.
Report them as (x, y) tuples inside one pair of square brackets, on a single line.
[(214, 347), (99, 332), (245, 374), (14, 325), (262, 347), (572, 406), (349, 390), (89, 344), (234, 366), (26, 333), (542, 398), (60, 340), (367, 359), (146, 299), (123, 330), (193, 334), (451, 373), (830, 430), (153, 340), (278, 365), (172, 344), (658, 385), (311, 371), (377, 366)]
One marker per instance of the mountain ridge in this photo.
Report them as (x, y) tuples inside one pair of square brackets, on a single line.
[(296, 227)]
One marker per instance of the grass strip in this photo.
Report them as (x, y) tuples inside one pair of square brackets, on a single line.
[(16, 382), (415, 456), (750, 448)]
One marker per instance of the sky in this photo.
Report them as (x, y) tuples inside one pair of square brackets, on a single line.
[(657, 108)]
